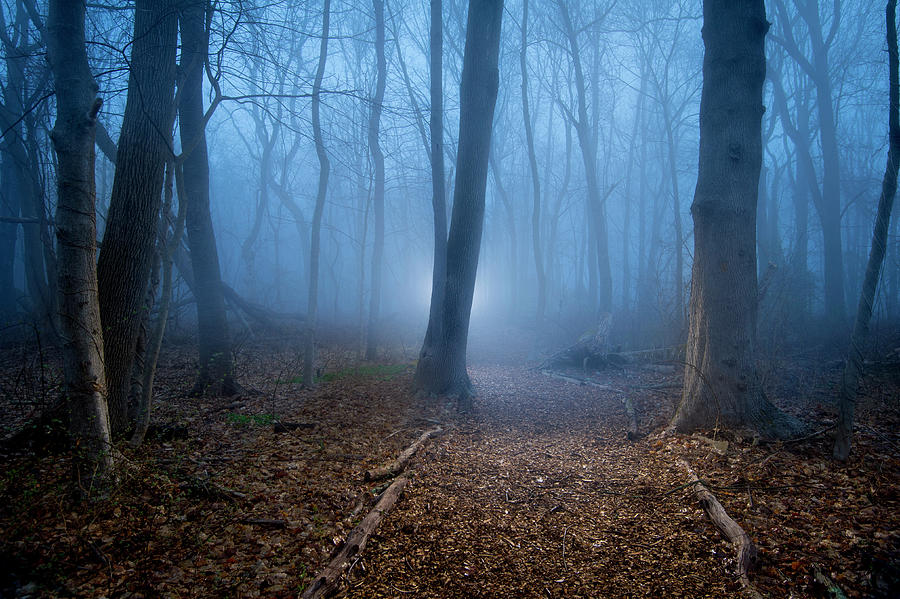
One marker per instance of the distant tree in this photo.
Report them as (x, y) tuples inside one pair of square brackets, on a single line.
[(22, 187), (73, 139), (442, 361), (309, 357), (586, 129), (378, 191), (721, 385), (535, 179), (828, 202), (853, 366), (128, 248), (216, 374)]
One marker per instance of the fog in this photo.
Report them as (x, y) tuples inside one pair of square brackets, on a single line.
[(641, 68)]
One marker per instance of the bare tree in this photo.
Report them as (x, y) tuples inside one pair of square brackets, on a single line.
[(442, 362), (73, 139), (216, 374), (535, 180), (309, 358), (853, 367), (438, 194), (721, 385), (378, 192)]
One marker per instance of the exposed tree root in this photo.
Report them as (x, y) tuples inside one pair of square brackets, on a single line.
[(326, 581), (397, 466), (731, 530)]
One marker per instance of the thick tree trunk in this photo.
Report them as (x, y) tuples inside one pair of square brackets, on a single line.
[(309, 357), (535, 182), (378, 192), (127, 252), (721, 386), (216, 374), (853, 367), (442, 364), (73, 140)]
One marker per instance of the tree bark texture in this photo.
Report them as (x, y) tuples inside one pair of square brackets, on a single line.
[(853, 366), (442, 363), (216, 374), (309, 358), (721, 386), (127, 251), (73, 140), (378, 192)]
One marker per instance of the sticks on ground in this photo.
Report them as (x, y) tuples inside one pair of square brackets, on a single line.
[(731, 530), (397, 466), (325, 582)]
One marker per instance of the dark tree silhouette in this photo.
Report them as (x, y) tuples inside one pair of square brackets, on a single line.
[(853, 367), (442, 362), (721, 386), (126, 255), (216, 374)]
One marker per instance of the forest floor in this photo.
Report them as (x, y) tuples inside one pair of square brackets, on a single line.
[(537, 493)]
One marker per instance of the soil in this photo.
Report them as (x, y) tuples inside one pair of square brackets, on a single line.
[(537, 493)]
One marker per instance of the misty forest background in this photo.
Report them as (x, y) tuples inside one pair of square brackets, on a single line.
[(640, 69), (295, 164), (228, 228)]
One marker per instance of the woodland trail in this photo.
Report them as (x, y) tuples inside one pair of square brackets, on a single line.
[(539, 494)]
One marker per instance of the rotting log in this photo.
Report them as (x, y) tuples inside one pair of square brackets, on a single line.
[(731, 530), (326, 581), (397, 466)]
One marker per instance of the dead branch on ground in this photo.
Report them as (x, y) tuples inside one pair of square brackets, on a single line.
[(326, 581), (731, 530), (397, 466)]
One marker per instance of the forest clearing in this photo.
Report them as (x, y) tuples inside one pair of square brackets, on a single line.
[(537, 493)]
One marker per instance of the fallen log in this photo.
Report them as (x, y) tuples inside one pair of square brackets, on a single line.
[(731, 530), (397, 466), (325, 582)]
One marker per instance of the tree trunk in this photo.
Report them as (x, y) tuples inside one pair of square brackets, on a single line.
[(73, 139), (853, 367), (438, 193), (535, 183), (721, 386), (378, 195), (309, 358), (216, 374), (127, 252), (442, 363), (167, 249)]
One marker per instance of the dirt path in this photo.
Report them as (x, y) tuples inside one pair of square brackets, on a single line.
[(539, 495)]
